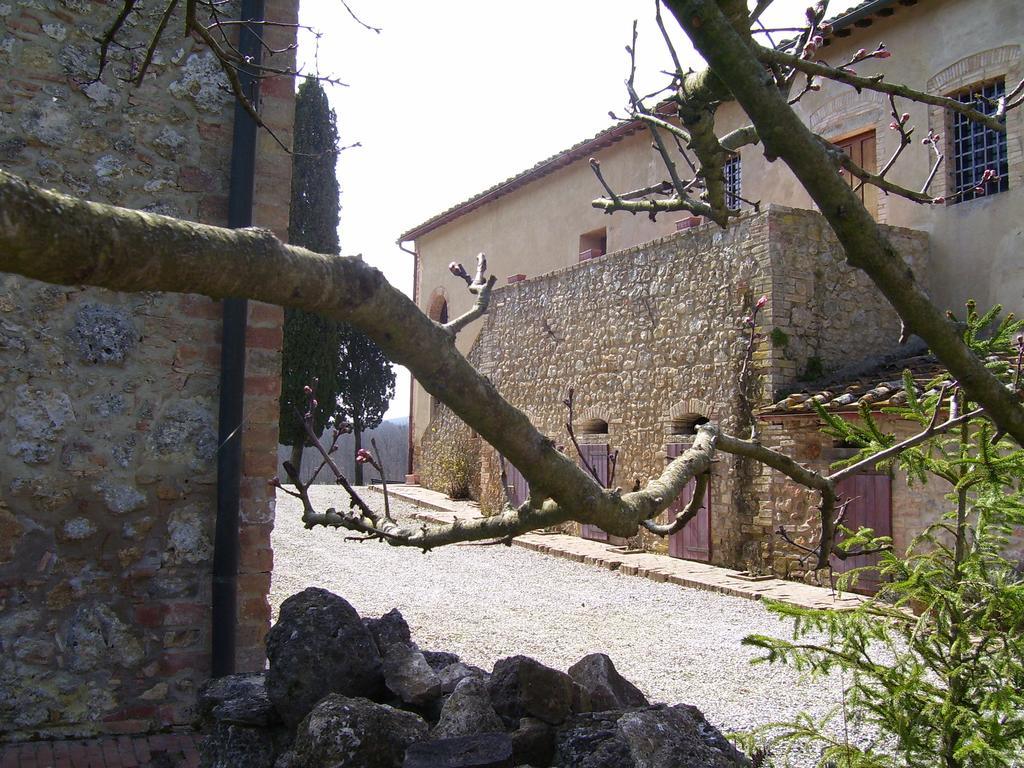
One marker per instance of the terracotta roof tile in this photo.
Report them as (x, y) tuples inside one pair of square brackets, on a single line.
[(880, 386)]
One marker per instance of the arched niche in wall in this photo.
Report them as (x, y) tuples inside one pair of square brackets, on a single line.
[(591, 425), (437, 307), (684, 417)]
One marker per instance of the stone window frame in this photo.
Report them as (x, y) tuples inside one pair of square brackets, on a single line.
[(850, 114), (1004, 62)]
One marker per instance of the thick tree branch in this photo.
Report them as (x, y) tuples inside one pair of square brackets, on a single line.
[(60, 239), (735, 60), (688, 513)]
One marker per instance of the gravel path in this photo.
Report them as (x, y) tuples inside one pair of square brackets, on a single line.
[(676, 644)]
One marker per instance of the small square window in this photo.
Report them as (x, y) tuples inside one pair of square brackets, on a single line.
[(593, 244), (976, 148), (733, 181)]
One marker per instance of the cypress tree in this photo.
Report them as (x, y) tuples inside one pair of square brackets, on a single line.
[(311, 342), (366, 384)]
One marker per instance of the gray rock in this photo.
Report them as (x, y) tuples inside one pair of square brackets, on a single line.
[(120, 499), (96, 637), (581, 701), (468, 711), (188, 537), (288, 759), (606, 687), (533, 743), (345, 732), (389, 629), (319, 646), (648, 737), (103, 333), (237, 699), (408, 676), (202, 80), (439, 659), (230, 746), (487, 750), (183, 431), (451, 675), (521, 687)]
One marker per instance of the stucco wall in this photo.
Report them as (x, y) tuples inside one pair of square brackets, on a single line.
[(941, 46), (653, 333), (108, 402)]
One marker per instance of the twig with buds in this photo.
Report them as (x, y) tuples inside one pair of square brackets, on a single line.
[(480, 286)]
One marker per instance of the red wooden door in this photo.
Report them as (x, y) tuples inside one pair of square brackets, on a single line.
[(596, 456), (870, 497), (518, 488), (694, 541)]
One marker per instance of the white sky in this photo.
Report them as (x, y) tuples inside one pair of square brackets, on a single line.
[(455, 95)]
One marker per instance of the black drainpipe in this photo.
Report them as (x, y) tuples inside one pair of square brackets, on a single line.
[(232, 369)]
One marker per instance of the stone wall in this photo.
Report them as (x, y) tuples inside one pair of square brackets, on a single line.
[(108, 402), (795, 508), (653, 336)]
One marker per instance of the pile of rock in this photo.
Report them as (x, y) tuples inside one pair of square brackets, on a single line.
[(346, 692)]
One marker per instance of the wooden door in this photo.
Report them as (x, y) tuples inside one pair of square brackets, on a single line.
[(870, 497), (861, 150), (694, 541), (518, 488), (596, 456)]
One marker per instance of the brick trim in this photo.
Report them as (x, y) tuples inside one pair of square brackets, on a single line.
[(1005, 62)]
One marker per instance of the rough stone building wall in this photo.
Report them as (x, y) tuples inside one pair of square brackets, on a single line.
[(795, 508), (108, 402), (652, 334)]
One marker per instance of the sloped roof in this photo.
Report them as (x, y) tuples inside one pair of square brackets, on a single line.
[(879, 386), (561, 159), (858, 14)]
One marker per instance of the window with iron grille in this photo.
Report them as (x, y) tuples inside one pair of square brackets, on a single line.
[(733, 181), (977, 148)]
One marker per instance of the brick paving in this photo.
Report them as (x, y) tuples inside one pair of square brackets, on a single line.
[(436, 507), (160, 750)]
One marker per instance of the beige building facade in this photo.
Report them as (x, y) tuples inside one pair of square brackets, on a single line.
[(539, 229)]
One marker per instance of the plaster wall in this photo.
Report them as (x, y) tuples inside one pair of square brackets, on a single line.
[(108, 401), (941, 46)]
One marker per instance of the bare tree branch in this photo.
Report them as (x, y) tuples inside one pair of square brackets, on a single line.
[(480, 286), (876, 83)]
